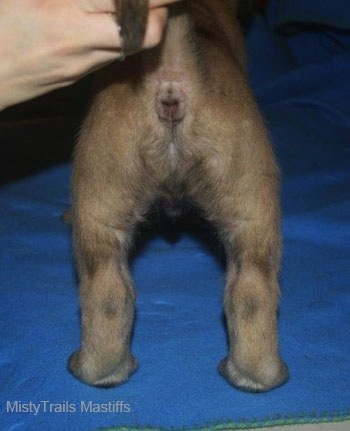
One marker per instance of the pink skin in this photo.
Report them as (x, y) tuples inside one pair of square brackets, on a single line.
[(48, 44)]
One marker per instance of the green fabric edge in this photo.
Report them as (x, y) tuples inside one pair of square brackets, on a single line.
[(245, 425)]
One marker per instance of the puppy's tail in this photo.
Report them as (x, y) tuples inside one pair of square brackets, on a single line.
[(132, 16)]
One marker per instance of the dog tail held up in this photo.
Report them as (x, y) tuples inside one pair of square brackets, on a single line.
[(132, 16)]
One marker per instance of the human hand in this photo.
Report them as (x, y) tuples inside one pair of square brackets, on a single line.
[(48, 44)]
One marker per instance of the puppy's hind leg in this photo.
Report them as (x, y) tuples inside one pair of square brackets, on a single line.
[(240, 196), (106, 301), (108, 201)]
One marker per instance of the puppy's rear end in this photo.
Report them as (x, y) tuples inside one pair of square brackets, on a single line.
[(178, 121)]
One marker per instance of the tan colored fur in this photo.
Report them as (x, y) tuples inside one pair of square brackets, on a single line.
[(178, 121)]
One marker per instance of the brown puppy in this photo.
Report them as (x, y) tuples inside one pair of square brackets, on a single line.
[(178, 121)]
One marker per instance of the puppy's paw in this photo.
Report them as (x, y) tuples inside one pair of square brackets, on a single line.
[(91, 373), (262, 380)]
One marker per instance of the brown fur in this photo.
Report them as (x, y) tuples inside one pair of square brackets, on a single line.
[(178, 121)]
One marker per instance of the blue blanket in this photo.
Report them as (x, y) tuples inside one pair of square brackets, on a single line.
[(302, 81)]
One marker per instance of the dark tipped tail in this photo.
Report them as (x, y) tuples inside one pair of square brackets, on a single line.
[(132, 20)]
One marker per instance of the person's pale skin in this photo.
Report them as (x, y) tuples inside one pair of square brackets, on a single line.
[(48, 44)]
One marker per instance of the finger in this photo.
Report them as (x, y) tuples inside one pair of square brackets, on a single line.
[(97, 60), (99, 6), (155, 27), (103, 31), (157, 3), (112, 5)]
